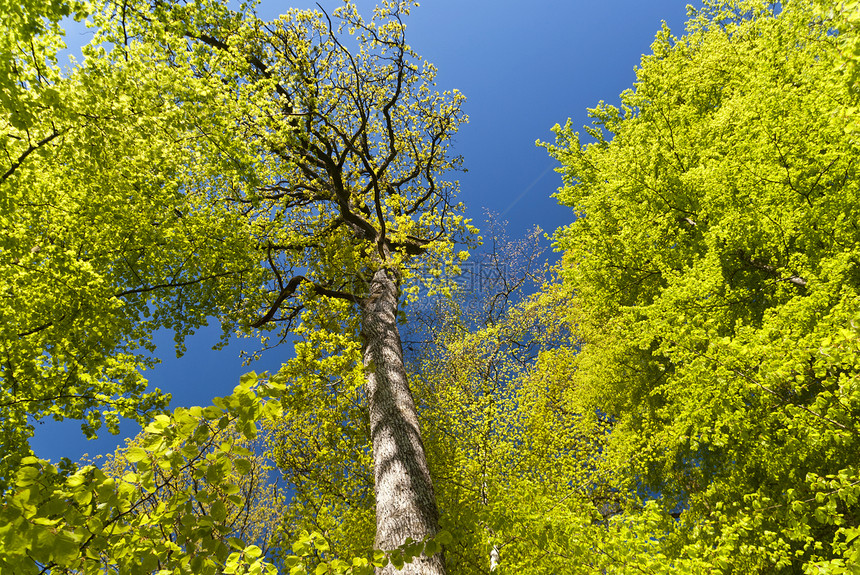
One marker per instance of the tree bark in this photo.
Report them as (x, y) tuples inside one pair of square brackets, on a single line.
[(405, 502)]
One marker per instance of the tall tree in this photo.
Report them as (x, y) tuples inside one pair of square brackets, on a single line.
[(514, 465), (344, 152), (714, 265), (217, 153)]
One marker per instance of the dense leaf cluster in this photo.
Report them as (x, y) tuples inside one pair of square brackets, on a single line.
[(714, 266)]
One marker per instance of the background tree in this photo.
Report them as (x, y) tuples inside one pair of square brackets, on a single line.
[(713, 265), (97, 235), (89, 257), (517, 463)]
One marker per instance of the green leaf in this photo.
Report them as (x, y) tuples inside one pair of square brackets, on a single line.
[(242, 466), (396, 559), (432, 547), (444, 537), (27, 476), (252, 552), (65, 550), (218, 511), (321, 544), (135, 454)]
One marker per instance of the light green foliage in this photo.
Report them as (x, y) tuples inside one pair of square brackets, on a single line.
[(29, 70), (844, 19), (713, 270), (98, 235), (343, 151), (180, 506), (199, 163), (322, 444), (170, 512), (249, 508), (509, 461), (514, 469), (311, 553)]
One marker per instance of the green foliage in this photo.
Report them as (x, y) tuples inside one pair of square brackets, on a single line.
[(713, 267), (166, 513), (186, 497), (322, 444), (514, 469), (199, 163), (703, 350), (510, 461), (249, 508), (98, 234), (844, 20)]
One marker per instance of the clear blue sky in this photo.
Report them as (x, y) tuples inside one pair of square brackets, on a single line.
[(524, 65)]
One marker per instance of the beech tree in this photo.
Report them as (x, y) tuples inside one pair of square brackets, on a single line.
[(713, 266), (285, 173), (96, 239), (348, 204), (95, 235), (515, 468)]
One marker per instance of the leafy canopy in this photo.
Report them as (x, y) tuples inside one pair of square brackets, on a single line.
[(206, 164), (713, 266)]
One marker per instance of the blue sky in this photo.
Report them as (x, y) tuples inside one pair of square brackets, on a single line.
[(524, 66)]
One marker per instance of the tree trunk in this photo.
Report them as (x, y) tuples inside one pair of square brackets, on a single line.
[(405, 503)]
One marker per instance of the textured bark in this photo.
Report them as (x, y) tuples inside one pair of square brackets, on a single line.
[(405, 503)]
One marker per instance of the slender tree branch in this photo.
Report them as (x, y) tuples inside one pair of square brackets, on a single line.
[(795, 279), (291, 288), (170, 285), (30, 149)]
